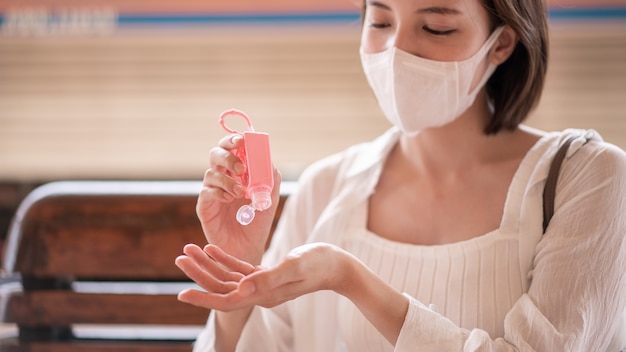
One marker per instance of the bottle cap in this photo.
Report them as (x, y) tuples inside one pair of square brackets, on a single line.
[(245, 215)]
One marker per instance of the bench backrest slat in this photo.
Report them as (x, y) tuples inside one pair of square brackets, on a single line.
[(64, 308), (102, 346)]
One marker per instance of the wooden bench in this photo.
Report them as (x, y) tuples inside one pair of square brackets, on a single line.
[(96, 265)]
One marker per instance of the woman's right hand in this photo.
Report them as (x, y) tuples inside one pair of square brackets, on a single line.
[(221, 197)]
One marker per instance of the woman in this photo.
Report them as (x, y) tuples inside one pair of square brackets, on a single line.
[(430, 237)]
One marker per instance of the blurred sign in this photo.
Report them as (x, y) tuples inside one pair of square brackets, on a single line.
[(42, 21), (193, 6), (36, 17)]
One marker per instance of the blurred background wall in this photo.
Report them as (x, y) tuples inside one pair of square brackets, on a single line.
[(132, 89)]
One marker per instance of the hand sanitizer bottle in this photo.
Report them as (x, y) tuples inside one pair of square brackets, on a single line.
[(259, 175)]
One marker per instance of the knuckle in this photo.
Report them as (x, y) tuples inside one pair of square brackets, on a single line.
[(211, 175), (215, 151)]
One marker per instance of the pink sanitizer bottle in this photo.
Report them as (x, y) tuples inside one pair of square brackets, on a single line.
[(258, 177)]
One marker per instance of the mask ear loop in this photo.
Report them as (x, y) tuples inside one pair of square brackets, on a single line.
[(222, 120)]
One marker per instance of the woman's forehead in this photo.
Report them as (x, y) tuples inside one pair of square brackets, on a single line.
[(436, 6)]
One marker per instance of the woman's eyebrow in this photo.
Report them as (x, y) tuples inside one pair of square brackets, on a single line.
[(439, 10), (378, 4)]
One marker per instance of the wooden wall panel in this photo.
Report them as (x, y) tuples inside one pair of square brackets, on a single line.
[(137, 105)]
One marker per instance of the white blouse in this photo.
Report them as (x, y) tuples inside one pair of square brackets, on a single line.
[(513, 289)]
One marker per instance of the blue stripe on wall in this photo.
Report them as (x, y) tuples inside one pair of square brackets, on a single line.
[(589, 13), (618, 13), (573, 14), (235, 19)]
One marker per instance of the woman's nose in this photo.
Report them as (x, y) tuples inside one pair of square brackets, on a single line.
[(402, 39)]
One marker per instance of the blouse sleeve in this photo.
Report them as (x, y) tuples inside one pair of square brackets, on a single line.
[(578, 283)]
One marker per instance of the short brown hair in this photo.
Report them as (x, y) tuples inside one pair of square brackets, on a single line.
[(516, 86)]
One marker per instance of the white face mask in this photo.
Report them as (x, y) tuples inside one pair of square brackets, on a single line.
[(416, 93)]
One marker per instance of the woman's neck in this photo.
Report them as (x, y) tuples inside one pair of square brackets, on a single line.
[(462, 145)]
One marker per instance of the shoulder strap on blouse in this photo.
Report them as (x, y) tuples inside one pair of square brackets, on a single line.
[(549, 191)]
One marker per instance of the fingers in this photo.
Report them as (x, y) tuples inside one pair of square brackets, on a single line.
[(231, 141), (306, 269), (218, 186), (228, 261), (221, 284), (206, 272), (214, 266), (270, 287), (202, 278), (260, 292), (287, 271), (224, 302), (223, 179), (240, 298), (223, 158), (232, 283), (218, 273)]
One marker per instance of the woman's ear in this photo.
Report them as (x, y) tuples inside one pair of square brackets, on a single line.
[(504, 46)]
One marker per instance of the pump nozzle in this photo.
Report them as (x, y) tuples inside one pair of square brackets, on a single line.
[(261, 199)]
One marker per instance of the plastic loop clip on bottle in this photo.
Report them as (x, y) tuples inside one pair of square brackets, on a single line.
[(258, 178)]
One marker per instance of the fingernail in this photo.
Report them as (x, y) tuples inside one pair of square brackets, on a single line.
[(247, 288), (235, 138)]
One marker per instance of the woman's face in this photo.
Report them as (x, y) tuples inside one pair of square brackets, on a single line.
[(442, 30)]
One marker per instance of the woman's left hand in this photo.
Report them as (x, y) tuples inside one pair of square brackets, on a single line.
[(232, 284)]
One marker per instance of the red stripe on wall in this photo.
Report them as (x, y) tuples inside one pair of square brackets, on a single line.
[(239, 6)]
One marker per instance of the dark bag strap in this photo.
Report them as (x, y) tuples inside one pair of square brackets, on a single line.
[(549, 191)]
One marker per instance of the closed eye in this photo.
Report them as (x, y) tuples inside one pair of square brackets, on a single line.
[(379, 25), (436, 32)]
